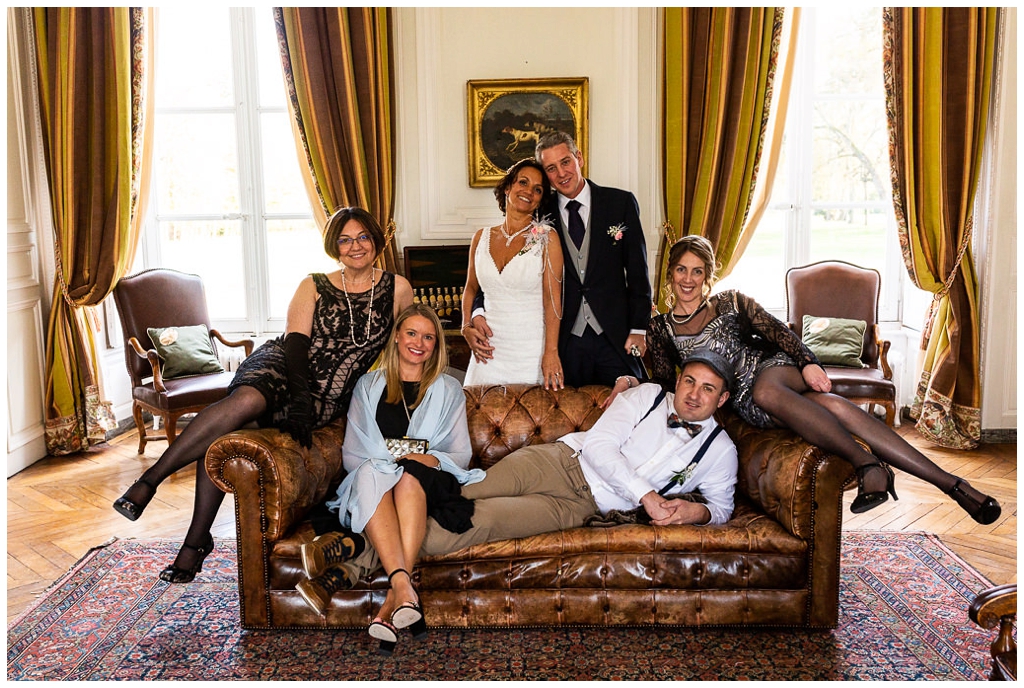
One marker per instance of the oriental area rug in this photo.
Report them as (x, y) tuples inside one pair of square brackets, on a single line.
[(903, 601)]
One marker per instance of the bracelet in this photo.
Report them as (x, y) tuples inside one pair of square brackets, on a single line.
[(463, 328), (628, 379)]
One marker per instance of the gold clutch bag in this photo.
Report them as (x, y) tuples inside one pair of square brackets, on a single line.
[(400, 446)]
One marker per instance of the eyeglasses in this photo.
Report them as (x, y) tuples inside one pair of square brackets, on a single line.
[(345, 243)]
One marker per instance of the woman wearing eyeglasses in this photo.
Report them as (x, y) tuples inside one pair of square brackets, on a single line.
[(337, 325)]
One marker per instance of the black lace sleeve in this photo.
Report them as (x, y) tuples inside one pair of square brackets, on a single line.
[(775, 332), (663, 353)]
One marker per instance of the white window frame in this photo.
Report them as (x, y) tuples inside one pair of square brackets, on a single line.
[(799, 209), (254, 219)]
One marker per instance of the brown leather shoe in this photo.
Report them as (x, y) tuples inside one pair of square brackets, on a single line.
[(317, 591), (329, 549)]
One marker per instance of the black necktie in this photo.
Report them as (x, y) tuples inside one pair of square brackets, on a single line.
[(692, 428), (576, 229)]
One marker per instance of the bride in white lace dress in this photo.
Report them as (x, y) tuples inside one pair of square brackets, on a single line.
[(518, 266)]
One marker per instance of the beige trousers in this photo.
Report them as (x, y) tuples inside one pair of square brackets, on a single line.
[(535, 489)]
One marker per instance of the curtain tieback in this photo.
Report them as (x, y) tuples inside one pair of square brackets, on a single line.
[(964, 243)]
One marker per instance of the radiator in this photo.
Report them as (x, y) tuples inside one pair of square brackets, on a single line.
[(231, 357)]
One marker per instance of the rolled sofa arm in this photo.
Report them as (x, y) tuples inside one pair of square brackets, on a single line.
[(796, 483), (274, 479)]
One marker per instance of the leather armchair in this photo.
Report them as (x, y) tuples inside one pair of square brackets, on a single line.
[(775, 563), (166, 298), (836, 289)]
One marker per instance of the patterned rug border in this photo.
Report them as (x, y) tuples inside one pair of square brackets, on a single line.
[(887, 631)]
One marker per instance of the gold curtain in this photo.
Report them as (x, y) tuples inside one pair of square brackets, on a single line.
[(720, 65), (938, 72), (94, 75), (338, 74)]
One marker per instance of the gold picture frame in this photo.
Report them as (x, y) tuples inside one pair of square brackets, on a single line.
[(505, 117)]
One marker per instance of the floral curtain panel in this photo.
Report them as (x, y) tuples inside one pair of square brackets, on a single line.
[(720, 66), (938, 66), (94, 76), (338, 73)]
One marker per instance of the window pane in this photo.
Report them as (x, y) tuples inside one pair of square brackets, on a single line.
[(856, 236), (294, 250), (193, 60), (212, 250), (761, 271), (268, 58), (284, 190), (848, 50), (851, 152), (196, 163)]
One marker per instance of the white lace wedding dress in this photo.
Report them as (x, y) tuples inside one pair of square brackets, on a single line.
[(514, 301)]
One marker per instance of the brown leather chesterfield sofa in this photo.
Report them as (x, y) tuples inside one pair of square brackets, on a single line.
[(776, 563)]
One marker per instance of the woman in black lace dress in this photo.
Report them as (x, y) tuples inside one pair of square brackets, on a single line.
[(779, 382), (336, 326)]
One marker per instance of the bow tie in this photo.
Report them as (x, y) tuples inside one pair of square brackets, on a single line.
[(692, 428)]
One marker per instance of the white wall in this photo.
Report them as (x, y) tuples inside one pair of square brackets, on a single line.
[(26, 302), (438, 50), (996, 244)]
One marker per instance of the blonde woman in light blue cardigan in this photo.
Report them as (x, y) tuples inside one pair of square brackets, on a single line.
[(383, 496)]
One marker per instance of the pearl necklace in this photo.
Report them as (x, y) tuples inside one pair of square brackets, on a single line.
[(351, 313), (688, 318), (509, 237)]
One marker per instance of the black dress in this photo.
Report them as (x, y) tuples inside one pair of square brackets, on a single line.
[(335, 361), (738, 328)]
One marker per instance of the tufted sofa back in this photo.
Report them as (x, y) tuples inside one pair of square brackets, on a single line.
[(503, 418)]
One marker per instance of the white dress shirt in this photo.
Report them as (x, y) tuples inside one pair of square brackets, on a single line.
[(622, 461)]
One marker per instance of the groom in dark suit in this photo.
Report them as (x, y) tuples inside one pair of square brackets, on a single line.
[(606, 291)]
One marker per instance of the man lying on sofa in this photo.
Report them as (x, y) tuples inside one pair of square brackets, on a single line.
[(647, 447)]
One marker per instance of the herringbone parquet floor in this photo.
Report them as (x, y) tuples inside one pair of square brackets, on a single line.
[(59, 507)]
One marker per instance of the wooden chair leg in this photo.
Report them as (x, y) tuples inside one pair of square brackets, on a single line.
[(890, 413), (140, 425), (171, 423)]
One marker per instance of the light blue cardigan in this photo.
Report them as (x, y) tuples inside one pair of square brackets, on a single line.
[(440, 419)]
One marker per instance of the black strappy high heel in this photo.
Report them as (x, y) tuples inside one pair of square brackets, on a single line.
[(386, 634), (132, 510), (176, 574), (409, 615), (984, 512), (866, 501)]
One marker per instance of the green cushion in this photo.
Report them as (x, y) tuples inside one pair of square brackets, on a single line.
[(184, 350), (835, 341)]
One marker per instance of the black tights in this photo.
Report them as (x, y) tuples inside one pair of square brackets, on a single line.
[(243, 406), (830, 422)]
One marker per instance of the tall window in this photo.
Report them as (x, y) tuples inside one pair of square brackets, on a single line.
[(831, 198), (229, 203)]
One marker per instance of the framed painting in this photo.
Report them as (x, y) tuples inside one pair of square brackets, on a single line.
[(507, 116)]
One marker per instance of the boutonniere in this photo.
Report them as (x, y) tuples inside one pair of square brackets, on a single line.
[(680, 477), (616, 232)]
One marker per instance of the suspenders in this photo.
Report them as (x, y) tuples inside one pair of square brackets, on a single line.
[(700, 452)]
